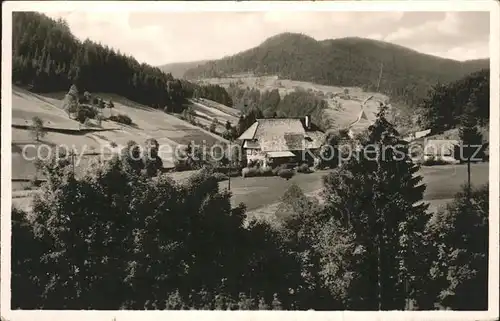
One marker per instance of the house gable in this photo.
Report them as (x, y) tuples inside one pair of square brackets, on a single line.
[(281, 134)]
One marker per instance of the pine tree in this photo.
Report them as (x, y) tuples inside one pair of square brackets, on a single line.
[(376, 196), (468, 131)]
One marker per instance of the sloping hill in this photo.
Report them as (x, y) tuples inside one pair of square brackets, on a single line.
[(178, 69), (351, 62), (148, 123)]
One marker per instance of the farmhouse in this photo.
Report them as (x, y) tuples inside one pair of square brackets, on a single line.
[(281, 140)]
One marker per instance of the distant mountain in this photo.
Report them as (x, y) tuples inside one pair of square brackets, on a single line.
[(178, 69), (406, 73)]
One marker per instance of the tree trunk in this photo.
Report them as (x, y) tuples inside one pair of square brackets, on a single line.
[(468, 178), (379, 277)]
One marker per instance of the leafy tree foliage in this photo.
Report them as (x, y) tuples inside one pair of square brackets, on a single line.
[(244, 99), (300, 103), (118, 239), (152, 161), (446, 105), (215, 93), (268, 104), (213, 125), (374, 197), (457, 242)]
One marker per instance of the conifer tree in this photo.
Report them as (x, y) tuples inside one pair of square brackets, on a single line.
[(376, 196)]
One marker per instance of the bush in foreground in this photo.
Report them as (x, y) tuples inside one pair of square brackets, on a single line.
[(116, 239), (286, 173), (456, 261)]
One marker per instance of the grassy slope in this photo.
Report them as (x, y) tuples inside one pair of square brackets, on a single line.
[(203, 107), (149, 123)]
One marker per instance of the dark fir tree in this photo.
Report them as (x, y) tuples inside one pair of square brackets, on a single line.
[(375, 196)]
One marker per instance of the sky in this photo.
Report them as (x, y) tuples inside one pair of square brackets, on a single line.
[(168, 37)]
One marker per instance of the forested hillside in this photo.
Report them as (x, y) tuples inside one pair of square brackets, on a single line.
[(46, 57), (406, 76), (445, 104)]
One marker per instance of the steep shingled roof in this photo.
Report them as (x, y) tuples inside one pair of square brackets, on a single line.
[(281, 134)]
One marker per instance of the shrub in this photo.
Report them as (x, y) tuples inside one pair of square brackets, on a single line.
[(227, 135), (249, 172), (277, 169), (266, 171), (286, 173), (113, 144), (253, 163), (35, 182), (122, 119), (181, 165), (88, 122), (213, 125), (304, 168), (220, 176), (84, 112)]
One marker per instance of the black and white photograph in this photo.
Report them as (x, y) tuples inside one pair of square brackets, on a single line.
[(251, 156)]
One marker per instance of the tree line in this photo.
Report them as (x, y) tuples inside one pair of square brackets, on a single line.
[(117, 238), (213, 92), (257, 104)]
